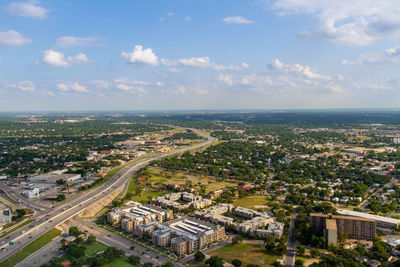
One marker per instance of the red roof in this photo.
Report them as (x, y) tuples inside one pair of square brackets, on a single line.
[(66, 263)]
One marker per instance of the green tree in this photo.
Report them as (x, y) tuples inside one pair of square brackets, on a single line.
[(148, 264), (91, 239), (215, 261), (167, 264), (236, 263), (237, 239), (314, 252), (135, 260), (73, 230), (199, 256), (269, 242), (60, 197), (299, 263), (301, 250)]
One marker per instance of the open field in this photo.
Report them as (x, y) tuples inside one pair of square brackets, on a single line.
[(94, 248), (120, 262), (247, 253), (160, 176), (250, 201), (31, 248)]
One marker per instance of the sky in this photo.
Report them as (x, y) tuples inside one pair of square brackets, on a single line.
[(68, 55)]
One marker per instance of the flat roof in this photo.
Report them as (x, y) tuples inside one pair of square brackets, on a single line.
[(331, 224), (369, 216), (347, 217)]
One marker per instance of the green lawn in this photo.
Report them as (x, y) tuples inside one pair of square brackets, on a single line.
[(247, 253), (94, 248), (250, 201), (31, 248), (120, 262)]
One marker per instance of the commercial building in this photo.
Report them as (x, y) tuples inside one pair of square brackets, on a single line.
[(31, 193), (381, 221), (170, 201), (184, 235), (54, 177), (353, 227), (5, 216)]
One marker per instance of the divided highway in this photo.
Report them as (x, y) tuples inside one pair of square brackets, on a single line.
[(52, 217)]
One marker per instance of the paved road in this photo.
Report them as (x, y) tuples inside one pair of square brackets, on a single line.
[(290, 257), (364, 204), (76, 204)]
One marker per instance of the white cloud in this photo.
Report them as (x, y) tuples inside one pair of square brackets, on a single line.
[(225, 78), (140, 56), (168, 62), (72, 86), (69, 41), (29, 9), (13, 38), (297, 69), (99, 84), (205, 62), (1, 58), (27, 86), (356, 22), (237, 20), (170, 14), (133, 86), (393, 52), (187, 18), (58, 59)]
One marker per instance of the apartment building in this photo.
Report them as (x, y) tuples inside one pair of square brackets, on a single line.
[(353, 227)]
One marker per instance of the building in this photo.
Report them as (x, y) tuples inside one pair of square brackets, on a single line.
[(54, 177), (381, 221), (333, 225), (170, 201), (31, 193), (184, 235), (134, 214), (215, 194), (5, 216)]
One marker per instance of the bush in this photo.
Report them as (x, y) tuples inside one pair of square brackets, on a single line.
[(199, 256)]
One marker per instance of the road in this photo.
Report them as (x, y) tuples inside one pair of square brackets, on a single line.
[(290, 257), (48, 219), (388, 185)]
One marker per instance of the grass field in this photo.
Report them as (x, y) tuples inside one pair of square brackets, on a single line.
[(31, 248), (250, 201), (247, 253), (120, 262), (94, 248)]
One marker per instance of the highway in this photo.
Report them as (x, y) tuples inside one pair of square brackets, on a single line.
[(52, 217)]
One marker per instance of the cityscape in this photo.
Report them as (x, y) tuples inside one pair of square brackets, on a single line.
[(229, 133)]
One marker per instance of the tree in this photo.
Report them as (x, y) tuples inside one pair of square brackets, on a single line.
[(199, 256), (91, 239), (342, 237), (236, 263), (281, 248), (148, 264), (252, 265), (301, 250), (314, 252), (277, 264), (299, 263), (135, 260), (215, 261), (237, 239), (74, 231), (60, 197), (167, 264), (269, 242), (61, 182)]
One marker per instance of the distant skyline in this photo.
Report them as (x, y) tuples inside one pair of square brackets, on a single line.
[(199, 55)]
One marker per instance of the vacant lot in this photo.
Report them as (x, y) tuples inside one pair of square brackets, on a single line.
[(247, 253), (250, 201)]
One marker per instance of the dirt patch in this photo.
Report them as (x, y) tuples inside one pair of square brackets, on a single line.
[(95, 208)]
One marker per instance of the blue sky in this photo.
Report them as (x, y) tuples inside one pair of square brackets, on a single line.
[(236, 54)]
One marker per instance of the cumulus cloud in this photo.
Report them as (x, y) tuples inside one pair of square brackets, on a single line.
[(133, 86), (27, 86), (356, 22), (58, 59), (70, 41), (237, 20), (29, 9), (141, 56), (99, 84), (72, 86), (201, 91), (297, 69), (203, 63), (393, 52), (13, 38)]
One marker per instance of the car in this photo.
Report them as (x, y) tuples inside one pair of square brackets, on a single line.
[(30, 237), (109, 235)]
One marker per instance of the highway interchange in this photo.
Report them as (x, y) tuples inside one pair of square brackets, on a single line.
[(47, 218)]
